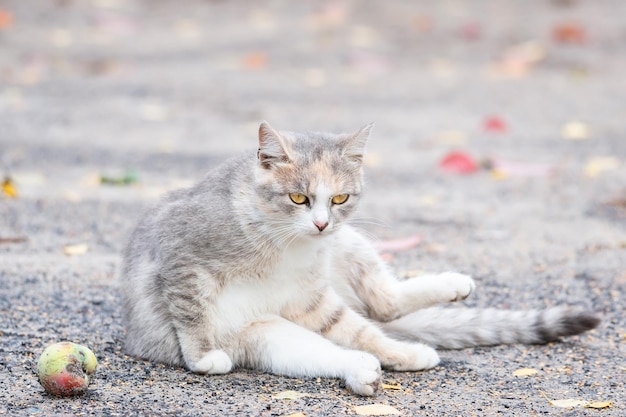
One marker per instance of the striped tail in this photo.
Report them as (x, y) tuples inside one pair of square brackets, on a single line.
[(457, 328)]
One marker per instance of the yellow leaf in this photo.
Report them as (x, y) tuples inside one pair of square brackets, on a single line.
[(375, 410), (575, 131), (568, 403), (394, 386), (8, 188), (289, 395), (73, 250), (599, 164), (525, 372), (599, 404), (498, 174)]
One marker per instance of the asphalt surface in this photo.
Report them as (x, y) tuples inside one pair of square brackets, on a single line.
[(162, 91)]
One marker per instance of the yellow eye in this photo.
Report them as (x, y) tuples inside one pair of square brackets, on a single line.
[(298, 198), (340, 199)]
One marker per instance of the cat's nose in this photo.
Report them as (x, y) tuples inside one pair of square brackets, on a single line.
[(320, 225)]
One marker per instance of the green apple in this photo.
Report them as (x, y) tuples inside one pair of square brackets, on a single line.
[(64, 369)]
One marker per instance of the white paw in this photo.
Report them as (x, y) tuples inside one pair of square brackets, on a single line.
[(411, 357), (363, 376), (455, 286), (214, 362)]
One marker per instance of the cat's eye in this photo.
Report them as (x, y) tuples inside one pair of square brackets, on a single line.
[(340, 199), (298, 198)]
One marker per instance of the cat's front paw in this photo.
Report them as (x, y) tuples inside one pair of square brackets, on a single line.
[(213, 362), (455, 286), (364, 375), (411, 357)]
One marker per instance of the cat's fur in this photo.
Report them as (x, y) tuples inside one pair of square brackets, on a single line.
[(232, 272)]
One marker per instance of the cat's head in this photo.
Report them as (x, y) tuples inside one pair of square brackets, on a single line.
[(308, 184)]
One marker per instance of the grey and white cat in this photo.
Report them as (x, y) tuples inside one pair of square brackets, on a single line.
[(257, 267)]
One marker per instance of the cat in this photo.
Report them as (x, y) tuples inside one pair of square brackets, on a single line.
[(256, 266)]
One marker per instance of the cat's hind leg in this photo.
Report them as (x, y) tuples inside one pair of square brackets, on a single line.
[(279, 346), (329, 316)]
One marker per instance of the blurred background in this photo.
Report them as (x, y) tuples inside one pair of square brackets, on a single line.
[(528, 95), (499, 151), (197, 76)]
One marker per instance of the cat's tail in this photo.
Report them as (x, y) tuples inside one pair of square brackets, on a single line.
[(456, 328)]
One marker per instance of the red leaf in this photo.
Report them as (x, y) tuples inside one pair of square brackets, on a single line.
[(569, 33), (494, 124), (458, 163)]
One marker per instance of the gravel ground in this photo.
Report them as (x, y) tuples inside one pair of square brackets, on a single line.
[(106, 87)]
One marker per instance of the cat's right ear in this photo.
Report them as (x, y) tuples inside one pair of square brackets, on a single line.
[(273, 148)]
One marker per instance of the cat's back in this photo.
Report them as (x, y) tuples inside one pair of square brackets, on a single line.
[(188, 219)]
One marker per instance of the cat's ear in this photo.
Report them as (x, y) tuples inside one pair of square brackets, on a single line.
[(273, 148), (354, 145)]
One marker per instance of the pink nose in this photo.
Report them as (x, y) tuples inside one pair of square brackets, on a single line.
[(320, 225)]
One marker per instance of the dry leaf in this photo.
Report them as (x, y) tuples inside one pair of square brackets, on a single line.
[(599, 404), (6, 19), (8, 188), (74, 250), (599, 164), (294, 415), (10, 240), (568, 403), (394, 386), (575, 131), (255, 61), (520, 59), (289, 395), (569, 32), (375, 410), (525, 372)]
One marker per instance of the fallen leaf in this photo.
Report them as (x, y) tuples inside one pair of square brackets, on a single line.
[(255, 61), (525, 372), (518, 60), (392, 387), (569, 32), (568, 403), (75, 250), (375, 410), (16, 239), (599, 404), (289, 395), (294, 415), (397, 245), (575, 131), (6, 19), (494, 124), (130, 177), (600, 164), (458, 163), (8, 188)]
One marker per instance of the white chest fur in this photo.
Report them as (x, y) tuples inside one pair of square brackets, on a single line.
[(302, 267)]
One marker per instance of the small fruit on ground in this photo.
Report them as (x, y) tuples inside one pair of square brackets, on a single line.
[(64, 369)]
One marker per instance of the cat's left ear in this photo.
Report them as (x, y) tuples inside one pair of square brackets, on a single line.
[(354, 146), (273, 148)]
